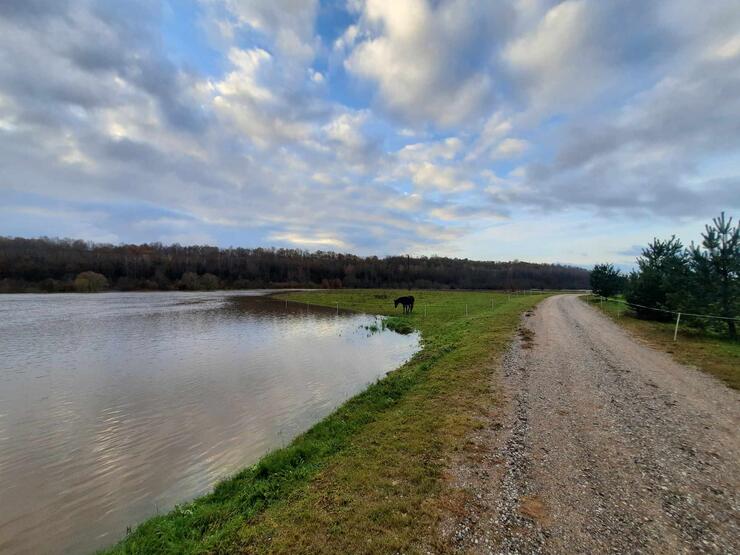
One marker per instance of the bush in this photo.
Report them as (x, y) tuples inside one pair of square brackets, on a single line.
[(90, 282), (209, 282), (188, 281)]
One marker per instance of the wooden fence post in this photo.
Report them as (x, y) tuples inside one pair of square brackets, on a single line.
[(675, 333)]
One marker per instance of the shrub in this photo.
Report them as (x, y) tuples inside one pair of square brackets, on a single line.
[(90, 282), (209, 282)]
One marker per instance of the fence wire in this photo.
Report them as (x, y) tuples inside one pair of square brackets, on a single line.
[(481, 305), (676, 312)]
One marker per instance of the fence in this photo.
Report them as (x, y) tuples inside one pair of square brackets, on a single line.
[(486, 304), (666, 311)]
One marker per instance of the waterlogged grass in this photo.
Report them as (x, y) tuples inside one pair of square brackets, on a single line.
[(709, 352), (393, 323), (368, 478), (398, 324)]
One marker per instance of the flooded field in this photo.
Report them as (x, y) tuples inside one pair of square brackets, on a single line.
[(116, 406)]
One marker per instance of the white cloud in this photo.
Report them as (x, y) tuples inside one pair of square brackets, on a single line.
[(289, 24), (647, 159), (316, 76), (445, 149), (347, 129), (243, 80), (406, 201), (495, 128), (594, 113), (442, 178), (510, 148), (309, 241), (430, 62), (558, 59), (252, 97), (347, 39)]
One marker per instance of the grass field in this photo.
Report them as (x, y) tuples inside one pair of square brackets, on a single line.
[(370, 477), (713, 354)]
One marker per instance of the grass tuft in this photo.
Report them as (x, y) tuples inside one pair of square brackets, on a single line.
[(398, 324)]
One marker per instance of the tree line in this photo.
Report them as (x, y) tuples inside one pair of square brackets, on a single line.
[(703, 278), (58, 265)]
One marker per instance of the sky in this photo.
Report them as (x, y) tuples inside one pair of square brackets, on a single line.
[(538, 130)]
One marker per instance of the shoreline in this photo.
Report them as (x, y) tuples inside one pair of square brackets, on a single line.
[(403, 425)]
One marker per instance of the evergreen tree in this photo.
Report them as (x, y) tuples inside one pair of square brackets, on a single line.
[(606, 280), (715, 265), (662, 279)]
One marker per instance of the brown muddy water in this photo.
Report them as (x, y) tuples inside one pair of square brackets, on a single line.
[(117, 406)]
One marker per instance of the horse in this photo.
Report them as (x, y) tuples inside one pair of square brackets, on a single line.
[(407, 302)]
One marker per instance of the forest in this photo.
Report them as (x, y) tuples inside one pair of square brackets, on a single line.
[(65, 265)]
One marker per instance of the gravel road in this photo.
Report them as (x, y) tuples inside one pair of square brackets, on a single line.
[(601, 445)]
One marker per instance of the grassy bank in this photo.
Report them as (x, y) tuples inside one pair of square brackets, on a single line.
[(369, 478), (711, 353)]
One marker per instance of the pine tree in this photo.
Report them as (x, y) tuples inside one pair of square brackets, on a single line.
[(716, 269), (662, 279), (606, 280)]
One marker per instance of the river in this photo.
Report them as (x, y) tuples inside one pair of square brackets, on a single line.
[(117, 406)]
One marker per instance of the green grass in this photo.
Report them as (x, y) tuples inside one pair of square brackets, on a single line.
[(370, 477), (709, 352), (398, 324)]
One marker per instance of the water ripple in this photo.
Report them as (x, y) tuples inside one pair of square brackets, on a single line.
[(116, 406)]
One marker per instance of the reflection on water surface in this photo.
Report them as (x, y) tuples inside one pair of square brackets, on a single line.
[(116, 406)]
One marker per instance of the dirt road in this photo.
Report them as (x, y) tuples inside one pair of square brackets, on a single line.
[(602, 445)]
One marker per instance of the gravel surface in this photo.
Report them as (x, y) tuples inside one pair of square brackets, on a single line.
[(600, 445)]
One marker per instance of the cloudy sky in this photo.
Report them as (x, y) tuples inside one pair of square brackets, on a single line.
[(569, 131)]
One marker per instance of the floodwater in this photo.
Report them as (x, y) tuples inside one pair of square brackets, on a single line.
[(117, 406)]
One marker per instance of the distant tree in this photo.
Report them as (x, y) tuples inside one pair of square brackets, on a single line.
[(90, 282), (662, 279), (51, 285), (26, 263), (189, 281), (160, 277), (125, 283), (606, 280), (209, 282), (715, 265)]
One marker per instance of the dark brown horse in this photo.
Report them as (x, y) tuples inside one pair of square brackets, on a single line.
[(407, 302)]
